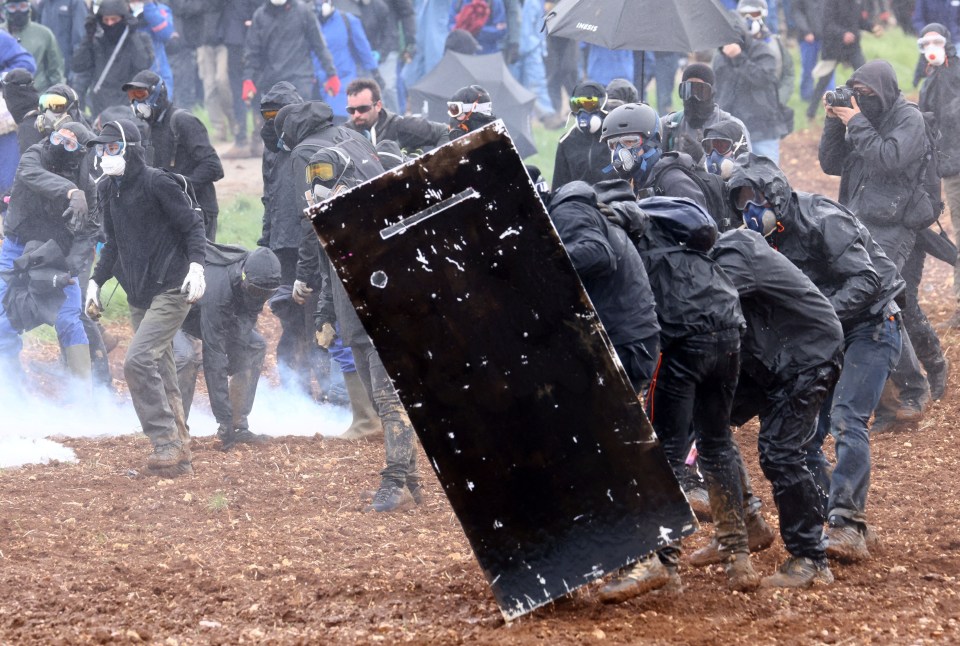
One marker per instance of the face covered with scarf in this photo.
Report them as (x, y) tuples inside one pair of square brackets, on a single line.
[(65, 148)]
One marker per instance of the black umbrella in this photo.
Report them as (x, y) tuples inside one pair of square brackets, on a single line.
[(511, 101), (652, 25)]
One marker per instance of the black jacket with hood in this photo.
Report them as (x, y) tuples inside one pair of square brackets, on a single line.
[(581, 156), (791, 326), (412, 133), (607, 262), (878, 163), (152, 234), (940, 94), (282, 218), (839, 17)]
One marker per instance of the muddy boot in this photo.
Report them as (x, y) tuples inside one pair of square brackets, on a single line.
[(740, 574), (78, 362), (644, 576), (760, 536), (390, 497), (845, 542), (366, 423), (245, 436), (937, 378), (799, 572), (169, 454), (699, 501)]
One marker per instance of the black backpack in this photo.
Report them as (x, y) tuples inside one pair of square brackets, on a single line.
[(712, 186)]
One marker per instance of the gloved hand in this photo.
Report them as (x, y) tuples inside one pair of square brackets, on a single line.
[(76, 214), (332, 85), (248, 91), (611, 214), (62, 280), (511, 53), (194, 285), (300, 292), (90, 26), (325, 336), (91, 303)]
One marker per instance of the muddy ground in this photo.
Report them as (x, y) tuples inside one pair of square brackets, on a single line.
[(271, 546)]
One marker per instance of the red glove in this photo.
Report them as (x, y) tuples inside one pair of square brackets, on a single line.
[(332, 86), (248, 91)]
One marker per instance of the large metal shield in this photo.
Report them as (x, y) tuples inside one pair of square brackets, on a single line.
[(508, 376)]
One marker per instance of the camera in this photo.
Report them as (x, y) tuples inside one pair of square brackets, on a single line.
[(839, 97)]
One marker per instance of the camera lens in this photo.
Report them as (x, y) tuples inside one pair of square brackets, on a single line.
[(830, 97)]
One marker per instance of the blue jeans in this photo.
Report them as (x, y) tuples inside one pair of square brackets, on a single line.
[(809, 52), (871, 350), (68, 326)]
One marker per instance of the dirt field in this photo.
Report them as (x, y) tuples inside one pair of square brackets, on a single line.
[(271, 546)]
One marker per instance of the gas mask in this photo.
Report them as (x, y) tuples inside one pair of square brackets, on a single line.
[(754, 25), (325, 174), (634, 161), (718, 164), (50, 121), (589, 111), (759, 218), (589, 122)]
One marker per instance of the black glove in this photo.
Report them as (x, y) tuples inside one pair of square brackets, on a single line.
[(77, 213), (62, 280), (90, 25), (612, 216), (511, 53)]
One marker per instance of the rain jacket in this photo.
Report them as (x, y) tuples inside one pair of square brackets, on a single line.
[(281, 214), (351, 53), (607, 262), (791, 326), (838, 18), (679, 135), (940, 94), (878, 164), (65, 18), (42, 45), (492, 34), (90, 59), (279, 44), (157, 22), (580, 156), (152, 234)]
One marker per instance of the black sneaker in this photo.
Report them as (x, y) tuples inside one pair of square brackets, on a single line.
[(390, 497)]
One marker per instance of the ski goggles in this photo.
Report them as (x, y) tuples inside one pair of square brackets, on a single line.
[(585, 103), (69, 143), (457, 108), (56, 103), (138, 94), (322, 171), (362, 109), (17, 6), (697, 90), (721, 145), (935, 40), (111, 149), (269, 113), (747, 195), (626, 141)]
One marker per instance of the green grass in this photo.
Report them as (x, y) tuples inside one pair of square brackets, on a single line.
[(218, 502)]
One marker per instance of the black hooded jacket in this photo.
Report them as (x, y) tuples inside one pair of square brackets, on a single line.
[(281, 212), (152, 234), (607, 262), (839, 17), (279, 43), (878, 163), (940, 94), (581, 156), (791, 326), (411, 133)]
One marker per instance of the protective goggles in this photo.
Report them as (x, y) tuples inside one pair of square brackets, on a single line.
[(56, 103), (719, 144), (269, 113), (747, 195), (457, 108), (931, 41), (138, 94), (626, 141), (585, 103), (756, 14), (16, 6), (697, 90), (111, 149), (362, 109), (323, 171), (69, 143)]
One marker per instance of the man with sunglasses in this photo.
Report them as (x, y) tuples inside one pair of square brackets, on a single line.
[(580, 154), (53, 198), (369, 117), (155, 247), (38, 40), (178, 142), (683, 130)]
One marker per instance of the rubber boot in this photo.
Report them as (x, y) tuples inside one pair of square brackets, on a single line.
[(78, 362), (366, 423)]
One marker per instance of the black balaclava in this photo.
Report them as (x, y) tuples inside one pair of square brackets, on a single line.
[(17, 20), (113, 8), (19, 93), (259, 279), (281, 94), (697, 112), (878, 75), (470, 94), (56, 158)]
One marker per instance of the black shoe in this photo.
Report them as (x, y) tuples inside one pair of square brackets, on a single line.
[(245, 436), (937, 378), (390, 497)]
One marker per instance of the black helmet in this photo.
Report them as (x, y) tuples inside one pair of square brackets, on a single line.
[(632, 119)]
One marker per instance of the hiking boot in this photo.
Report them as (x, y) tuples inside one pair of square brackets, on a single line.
[(390, 497), (245, 436), (760, 536), (799, 572), (937, 378), (870, 538), (886, 424), (166, 455), (645, 575), (699, 501), (910, 410), (182, 469), (416, 492), (740, 574), (846, 543)]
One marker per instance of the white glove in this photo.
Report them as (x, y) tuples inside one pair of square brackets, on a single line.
[(91, 304), (300, 292), (194, 285)]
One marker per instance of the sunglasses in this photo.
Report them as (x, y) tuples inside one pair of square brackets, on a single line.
[(69, 144), (626, 141), (721, 145), (138, 94), (271, 114), (931, 41), (457, 108), (16, 6), (322, 171), (55, 103), (111, 149), (585, 103), (696, 90), (362, 109)]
